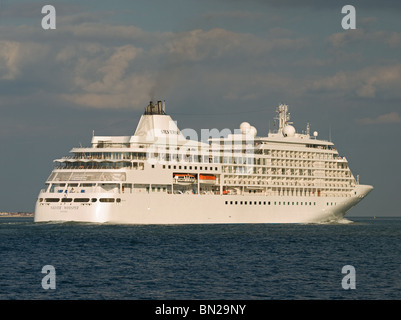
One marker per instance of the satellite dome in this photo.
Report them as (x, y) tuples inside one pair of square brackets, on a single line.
[(245, 127), (252, 131), (289, 131)]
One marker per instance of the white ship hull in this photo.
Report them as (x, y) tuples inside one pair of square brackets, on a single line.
[(201, 209)]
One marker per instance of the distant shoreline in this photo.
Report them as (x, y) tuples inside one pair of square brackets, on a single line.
[(16, 214)]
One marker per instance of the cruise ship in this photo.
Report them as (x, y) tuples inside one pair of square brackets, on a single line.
[(159, 175)]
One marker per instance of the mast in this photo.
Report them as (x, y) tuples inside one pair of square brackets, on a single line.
[(283, 117)]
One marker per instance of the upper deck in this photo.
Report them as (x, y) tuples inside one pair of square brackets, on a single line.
[(157, 136), (158, 155)]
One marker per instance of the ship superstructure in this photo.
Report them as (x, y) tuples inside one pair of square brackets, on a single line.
[(158, 176)]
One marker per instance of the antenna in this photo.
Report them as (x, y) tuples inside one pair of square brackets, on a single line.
[(330, 133)]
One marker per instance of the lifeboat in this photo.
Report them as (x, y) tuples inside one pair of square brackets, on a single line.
[(207, 179), (184, 178)]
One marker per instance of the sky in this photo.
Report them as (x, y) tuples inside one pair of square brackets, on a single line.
[(215, 63)]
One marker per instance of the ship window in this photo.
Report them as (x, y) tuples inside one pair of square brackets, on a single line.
[(268, 203), (118, 200), (231, 202), (236, 202), (66, 200), (52, 199), (153, 166), (226, 202), (260, 202), (106, 199), (264, 202), (241, 202), (246, 202), (250, 202), (94, 199), (81, 200)]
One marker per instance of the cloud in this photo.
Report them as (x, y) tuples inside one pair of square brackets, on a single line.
[(17, 57), (368, 82), (392, 117), (88, 65), (106, 77), (247, 15), (359, 35), (94, 64), (210, 51), (9, 52)]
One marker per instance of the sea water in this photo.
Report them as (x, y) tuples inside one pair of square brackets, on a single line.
[(227, 261)]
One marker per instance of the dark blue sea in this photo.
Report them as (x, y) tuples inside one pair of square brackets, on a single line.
[(231, 262)]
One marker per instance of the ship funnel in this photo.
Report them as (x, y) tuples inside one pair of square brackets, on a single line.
[(157, 108)]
